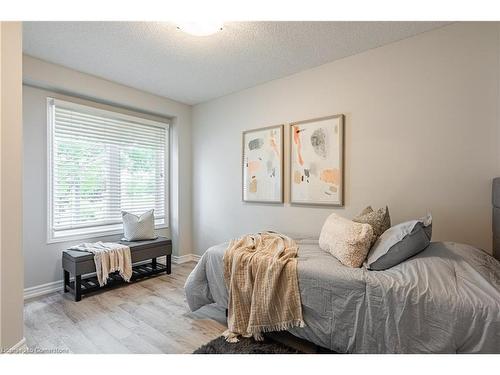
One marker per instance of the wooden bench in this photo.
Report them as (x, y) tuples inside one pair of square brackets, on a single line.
[(80, 263)]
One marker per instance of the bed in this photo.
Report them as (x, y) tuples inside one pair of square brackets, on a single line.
[(444, 300)]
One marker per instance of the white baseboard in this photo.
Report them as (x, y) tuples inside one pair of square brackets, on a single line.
[(20, 347), (40, 290), (56, 286), (185, 258)]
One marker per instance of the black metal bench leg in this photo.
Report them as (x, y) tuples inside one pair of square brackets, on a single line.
[(78, 288), (153, 262), (169, 264), (66, 281)]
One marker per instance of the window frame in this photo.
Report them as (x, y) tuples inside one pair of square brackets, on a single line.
[(97, 231)]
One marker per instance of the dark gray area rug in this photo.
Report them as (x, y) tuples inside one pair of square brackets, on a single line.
[(245, 346)]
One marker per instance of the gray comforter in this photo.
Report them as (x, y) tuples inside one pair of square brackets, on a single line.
[(444, 300)]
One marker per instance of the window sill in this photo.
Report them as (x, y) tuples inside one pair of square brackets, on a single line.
[(94, 235)]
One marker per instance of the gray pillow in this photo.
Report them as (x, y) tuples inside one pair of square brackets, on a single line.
[(399, 243), (136, 228)]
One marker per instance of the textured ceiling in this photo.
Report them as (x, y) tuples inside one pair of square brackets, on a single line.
[(158, 58)]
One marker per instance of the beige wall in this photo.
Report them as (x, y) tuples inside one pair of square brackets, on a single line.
[(422, 134), (42, 260), (11, 261)]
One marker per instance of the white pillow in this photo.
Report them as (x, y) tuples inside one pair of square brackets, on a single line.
[(136, 228), (346, 240)]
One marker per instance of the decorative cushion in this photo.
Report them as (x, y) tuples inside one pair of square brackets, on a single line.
[(346, 240), (379, 220), (399, 243), (366, 210), (136, 228)]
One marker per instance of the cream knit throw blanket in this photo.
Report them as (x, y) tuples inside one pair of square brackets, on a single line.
[(108, 257), (260, 271)]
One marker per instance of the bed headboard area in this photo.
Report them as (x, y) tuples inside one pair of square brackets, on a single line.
[(496, 217)]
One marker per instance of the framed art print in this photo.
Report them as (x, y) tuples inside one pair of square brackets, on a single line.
[(263, 165), (317, 161)]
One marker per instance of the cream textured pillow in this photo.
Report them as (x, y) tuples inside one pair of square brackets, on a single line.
[(346, 240), (379, 220)]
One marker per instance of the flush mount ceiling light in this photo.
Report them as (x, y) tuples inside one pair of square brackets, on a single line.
[(200, 28)]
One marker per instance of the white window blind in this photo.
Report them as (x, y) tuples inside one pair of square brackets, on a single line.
[(100, 163)]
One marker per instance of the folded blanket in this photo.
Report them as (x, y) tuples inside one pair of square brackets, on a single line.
[(260, 272), (108, 257)]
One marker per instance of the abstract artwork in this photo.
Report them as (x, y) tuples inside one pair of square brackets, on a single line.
[(263, 165), (316, 161)]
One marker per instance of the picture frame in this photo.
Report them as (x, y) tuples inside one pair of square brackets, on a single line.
[(316, 170), (263, 165)]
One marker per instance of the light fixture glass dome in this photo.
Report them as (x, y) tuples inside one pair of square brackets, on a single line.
[(200, 28)]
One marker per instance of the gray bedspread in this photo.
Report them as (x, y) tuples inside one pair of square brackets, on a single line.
[(444, 300)]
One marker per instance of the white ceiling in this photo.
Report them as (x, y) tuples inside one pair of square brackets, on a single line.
[(158, 58)]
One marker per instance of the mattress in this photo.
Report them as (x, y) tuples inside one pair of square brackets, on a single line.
[(444, 300)]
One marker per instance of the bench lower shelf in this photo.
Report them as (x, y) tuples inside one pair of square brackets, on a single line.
[(89, 284)]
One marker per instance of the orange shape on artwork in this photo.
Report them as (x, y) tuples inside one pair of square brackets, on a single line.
[(253, 166), (331, 176), (296, 140)]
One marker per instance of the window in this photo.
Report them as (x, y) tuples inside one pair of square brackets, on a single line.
[(100, 163)]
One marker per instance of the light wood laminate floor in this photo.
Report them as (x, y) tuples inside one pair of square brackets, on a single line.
[(149, 316)]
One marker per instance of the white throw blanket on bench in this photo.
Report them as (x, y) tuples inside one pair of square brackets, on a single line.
[(108, 257)]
